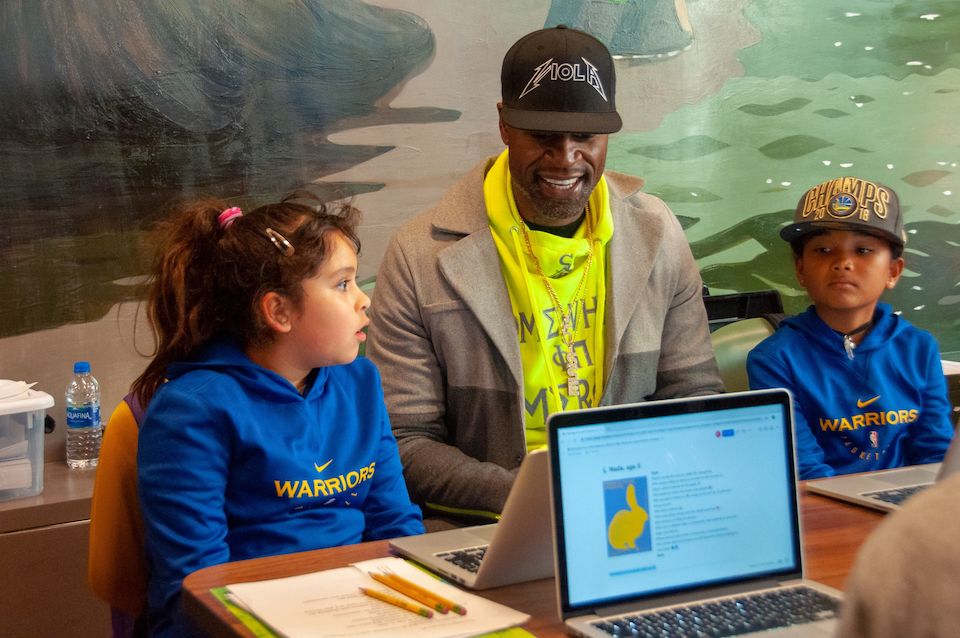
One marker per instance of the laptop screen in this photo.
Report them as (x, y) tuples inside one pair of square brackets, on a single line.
[(668, 496)]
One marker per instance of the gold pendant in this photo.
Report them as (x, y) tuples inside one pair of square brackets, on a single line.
[(573, 382)]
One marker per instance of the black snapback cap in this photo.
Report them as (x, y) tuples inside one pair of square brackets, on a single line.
[(561, 80)]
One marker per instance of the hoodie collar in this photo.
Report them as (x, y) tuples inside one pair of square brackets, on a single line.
[(226, 357), (886, 324)]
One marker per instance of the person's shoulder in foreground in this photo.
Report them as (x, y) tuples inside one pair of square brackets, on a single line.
[(539, 240), (868, 389), (907, 574)]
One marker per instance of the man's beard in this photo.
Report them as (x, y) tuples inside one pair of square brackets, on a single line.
[(555, 210)]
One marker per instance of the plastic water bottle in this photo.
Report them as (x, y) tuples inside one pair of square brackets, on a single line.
[(84, 431)]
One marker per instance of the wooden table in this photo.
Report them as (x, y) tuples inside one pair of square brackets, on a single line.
[(832, 533)]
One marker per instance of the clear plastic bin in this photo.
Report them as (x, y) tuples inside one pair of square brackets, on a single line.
[(21, 444)]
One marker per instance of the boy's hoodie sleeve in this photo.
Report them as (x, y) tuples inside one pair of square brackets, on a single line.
[(765, 371), (930, 435)]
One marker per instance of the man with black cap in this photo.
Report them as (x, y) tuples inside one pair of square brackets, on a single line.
[(538, 283)]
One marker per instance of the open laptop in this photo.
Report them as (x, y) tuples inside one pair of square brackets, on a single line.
[(682, 515), (887, 490), (516, 549)]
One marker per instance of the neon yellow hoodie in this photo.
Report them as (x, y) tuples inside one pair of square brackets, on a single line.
[(563, 261)]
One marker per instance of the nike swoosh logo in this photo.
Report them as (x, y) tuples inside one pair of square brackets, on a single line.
[(321, 468), (860, 404)]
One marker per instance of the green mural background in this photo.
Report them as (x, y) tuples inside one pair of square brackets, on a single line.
[(732, 109), (867, 88)]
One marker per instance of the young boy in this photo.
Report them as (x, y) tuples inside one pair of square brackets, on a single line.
[(869, 392)]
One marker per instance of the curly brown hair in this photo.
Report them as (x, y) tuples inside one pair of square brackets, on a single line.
[(207, 279)]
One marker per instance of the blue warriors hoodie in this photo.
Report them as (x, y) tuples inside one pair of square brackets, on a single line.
[(887, 407), (234, 463)]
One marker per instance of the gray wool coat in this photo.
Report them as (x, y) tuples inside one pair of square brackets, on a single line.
[(443, 335)]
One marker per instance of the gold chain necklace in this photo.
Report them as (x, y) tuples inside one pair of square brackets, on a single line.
[(567, 319)]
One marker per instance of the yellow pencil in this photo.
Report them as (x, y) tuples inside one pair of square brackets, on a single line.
[(408, 589), (434, 600), (398, 602)]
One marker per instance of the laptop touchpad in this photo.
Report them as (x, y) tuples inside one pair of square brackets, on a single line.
[(907, 477), (483, 533)]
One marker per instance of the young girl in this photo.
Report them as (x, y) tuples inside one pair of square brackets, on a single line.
[(265, 434)]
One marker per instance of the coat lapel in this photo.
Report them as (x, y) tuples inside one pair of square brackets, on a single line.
[(628, 269), (471, 266)]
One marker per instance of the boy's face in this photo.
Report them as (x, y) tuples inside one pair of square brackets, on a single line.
[(845, 272)]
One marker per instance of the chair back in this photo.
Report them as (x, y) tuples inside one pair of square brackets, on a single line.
[(117, 564), (731, 344), (725, 309)]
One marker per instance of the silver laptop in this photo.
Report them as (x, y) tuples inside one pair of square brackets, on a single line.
[(516, 549), (887, 490), (682, 516)]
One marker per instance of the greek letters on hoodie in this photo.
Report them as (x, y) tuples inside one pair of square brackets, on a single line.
[(885, 408), (234, 463)]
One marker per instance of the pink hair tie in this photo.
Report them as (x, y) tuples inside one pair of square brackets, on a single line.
[(229, 216)]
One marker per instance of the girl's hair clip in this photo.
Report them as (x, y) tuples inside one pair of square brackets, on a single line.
[(228, 216), (285, 248)]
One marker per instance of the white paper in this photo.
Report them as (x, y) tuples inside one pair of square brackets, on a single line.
[(950, 367), (14, 451), (14, 390), (329, 604), (16, 474)]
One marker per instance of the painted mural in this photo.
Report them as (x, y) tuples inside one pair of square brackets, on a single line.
[(112, 109), (732, 108), (861, 87)]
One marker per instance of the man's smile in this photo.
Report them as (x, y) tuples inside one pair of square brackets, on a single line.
[(561, 183)]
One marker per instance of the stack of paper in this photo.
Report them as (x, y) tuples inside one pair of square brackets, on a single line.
[(14, 390), (16, 474), (329, 604)]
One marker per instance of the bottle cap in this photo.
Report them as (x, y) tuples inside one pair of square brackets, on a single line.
[(81, 367)]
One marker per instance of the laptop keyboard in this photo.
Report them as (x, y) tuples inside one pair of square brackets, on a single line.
[(729, 617), (898, 495), (468, 558)]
